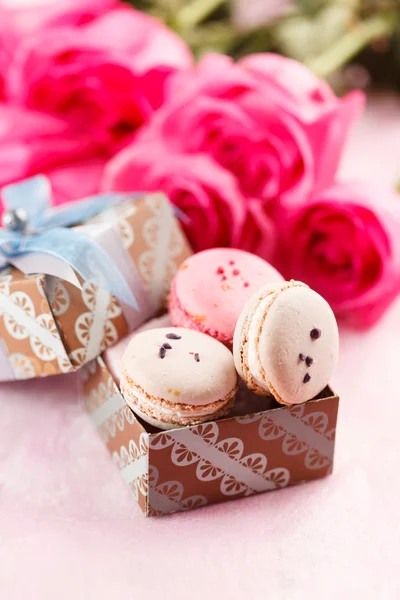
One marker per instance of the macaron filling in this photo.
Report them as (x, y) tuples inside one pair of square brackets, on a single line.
[(250, 365), (169, 412)]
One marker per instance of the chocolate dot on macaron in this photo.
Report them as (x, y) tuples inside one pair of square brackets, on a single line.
[(167, 346), (315, 333), (173, 336), (307, 378), (309, 361), (197, 357), (302, 356), (162, 352)]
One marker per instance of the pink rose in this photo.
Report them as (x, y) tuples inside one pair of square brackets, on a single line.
[(76, 180), (264, 150), (17, 22), (302, 93), (28, 18), (267, 119), (258, 234), (105, 78), (8, 42), (33, 142), (206, 193), (246, 119), (347, 247)]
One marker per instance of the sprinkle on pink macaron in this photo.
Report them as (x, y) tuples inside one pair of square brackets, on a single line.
[(212, 287)]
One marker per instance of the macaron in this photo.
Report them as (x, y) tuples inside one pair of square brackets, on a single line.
[(286, 343), (211, 288), (113, 355), (172, 377)]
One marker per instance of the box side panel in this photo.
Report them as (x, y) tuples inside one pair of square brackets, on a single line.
[(124, 436), (28, 328), (241, 456), (89, 319), (157, 245)]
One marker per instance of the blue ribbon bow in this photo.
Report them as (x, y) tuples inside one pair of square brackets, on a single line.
[(46, 231)]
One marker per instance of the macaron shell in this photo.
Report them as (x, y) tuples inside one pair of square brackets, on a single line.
[(196, 370), (211, 288), (286, 334), (112, 356)]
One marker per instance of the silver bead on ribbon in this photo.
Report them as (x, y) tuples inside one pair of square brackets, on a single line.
[(16, 219)]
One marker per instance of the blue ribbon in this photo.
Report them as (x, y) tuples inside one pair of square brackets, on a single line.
[(47, 232)]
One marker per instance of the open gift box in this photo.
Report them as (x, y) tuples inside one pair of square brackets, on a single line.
[(262, 446), (49, 326)]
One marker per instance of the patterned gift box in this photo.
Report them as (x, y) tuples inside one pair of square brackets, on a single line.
[(50, 326), (231, 458)]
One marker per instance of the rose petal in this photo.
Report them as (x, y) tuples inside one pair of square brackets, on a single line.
[(206, 192), (348, 221)]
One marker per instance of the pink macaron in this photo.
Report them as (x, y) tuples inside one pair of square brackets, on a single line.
[(212, 287)]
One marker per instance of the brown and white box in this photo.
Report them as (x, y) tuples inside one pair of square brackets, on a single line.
[(262, 447), (50, 326)]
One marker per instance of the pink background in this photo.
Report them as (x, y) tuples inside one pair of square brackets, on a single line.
[(70, 529)]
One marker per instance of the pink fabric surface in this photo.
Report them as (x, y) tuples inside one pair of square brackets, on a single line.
[(70, 529)]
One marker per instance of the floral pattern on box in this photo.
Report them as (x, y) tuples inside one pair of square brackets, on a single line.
[(222, 460), (301, 433), (28, 327), (124, 436)]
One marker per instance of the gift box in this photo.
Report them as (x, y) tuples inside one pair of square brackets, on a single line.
[(48, 325), (261, 446)]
